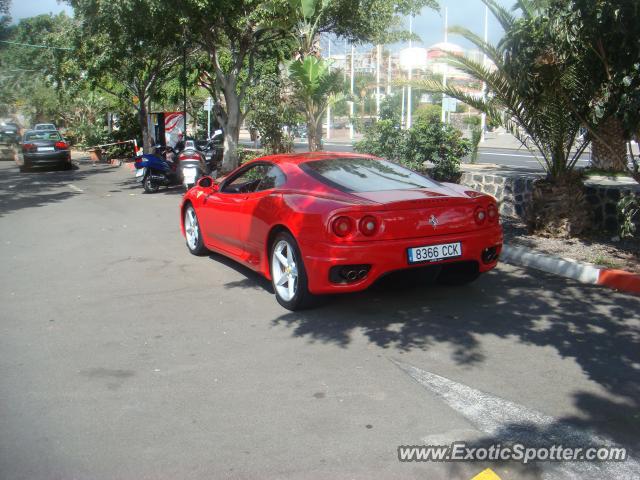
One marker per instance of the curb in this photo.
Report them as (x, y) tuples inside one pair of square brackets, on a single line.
[(579, 271)]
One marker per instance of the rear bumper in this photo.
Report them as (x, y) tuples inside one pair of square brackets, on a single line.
[(388, 256), (47, 158)]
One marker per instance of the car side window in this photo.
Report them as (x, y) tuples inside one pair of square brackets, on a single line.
[(248, 180), (272, 179)]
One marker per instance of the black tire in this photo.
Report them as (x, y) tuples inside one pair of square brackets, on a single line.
[(149, 185), (456, 274), (195, 246), (25, 167), (302, 298)]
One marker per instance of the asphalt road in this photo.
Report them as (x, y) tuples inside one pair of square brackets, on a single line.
[(122, 356), (520, 158)]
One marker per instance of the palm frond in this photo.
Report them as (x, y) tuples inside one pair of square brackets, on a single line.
[(492, 52), (503, 15)]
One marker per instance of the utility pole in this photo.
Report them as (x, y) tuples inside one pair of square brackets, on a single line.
[(328, 105), (410, 72), (184, 87), (483, 116), (378, 61), (389, 75), (353, 52), (444, 73)]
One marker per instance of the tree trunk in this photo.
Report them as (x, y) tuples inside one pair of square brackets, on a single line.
[(314, 134), (609, 150), (144, 126), (231, 128)]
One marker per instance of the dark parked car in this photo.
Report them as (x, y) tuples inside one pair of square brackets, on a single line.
[(10, 132), (9, 137), (43, 148), (44, 126)]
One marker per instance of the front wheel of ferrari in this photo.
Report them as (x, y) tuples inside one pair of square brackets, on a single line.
[(192, 232), (288, 275)]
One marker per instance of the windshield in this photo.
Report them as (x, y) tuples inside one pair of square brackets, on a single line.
[(45, 135), (365, 175)]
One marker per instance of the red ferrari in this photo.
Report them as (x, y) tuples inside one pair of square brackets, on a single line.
[(318, 223)]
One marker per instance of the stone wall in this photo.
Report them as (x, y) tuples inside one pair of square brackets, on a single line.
[(513, 190), (604, 201)]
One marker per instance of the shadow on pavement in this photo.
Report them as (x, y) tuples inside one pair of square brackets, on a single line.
[(598, 328), (39, 186)]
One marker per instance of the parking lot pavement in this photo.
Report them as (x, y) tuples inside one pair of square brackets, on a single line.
[(123, 356)]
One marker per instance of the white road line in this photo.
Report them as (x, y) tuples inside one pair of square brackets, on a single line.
[(73, 187), (505, 154), (508, 422)]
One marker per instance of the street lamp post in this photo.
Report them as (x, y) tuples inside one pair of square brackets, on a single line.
[(378, 60), (353, 50), (409, 74), (444, 72), (328, 105), (483, 116)]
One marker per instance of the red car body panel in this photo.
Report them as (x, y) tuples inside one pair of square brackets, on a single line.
[(241, 225)]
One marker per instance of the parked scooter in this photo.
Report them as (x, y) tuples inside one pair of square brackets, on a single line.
[(213, 151), (192, 164), (157, 169)]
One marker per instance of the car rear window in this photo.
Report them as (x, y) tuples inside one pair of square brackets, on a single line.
[(365, 175), (31, 136)]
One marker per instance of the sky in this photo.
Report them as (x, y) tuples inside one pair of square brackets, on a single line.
[(429, 25)]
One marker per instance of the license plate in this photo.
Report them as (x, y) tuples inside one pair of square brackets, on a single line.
[(46, 149), (140, 172), (189, 175), (434, 253)]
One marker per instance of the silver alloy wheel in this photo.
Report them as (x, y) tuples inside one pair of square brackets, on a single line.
[(284, 270), (191, 228)]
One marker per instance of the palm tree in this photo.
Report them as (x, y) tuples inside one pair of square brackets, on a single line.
[(315, 87), (536, 93)]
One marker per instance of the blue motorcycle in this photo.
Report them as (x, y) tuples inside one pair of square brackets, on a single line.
[(157, 169)]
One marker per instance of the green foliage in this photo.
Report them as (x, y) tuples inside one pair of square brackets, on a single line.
[(472, 121), (424, 142), (537, 91), (427, 113), (269, 112), (439, 144), (476, 136), (128, 49), (629, 214), (315, 88), (248, 154), (603, 37), (384, 139)]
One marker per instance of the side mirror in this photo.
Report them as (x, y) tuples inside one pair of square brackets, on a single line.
[(208, 182)]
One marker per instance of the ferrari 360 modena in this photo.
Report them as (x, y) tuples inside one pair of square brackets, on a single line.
[(323, 223)]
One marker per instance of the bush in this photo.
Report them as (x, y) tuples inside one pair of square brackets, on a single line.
[(476, 136), (248, 154), (629, 213), (427, 113), (424, 142)]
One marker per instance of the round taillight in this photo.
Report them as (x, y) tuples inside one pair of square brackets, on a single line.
[(492, 213), (368, 225), (480, 215), (342, 226)]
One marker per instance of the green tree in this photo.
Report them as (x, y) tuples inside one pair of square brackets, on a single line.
[(538, 91), (233, 34), (128, 49), (41, 79), (315, 87), (603, 36)]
